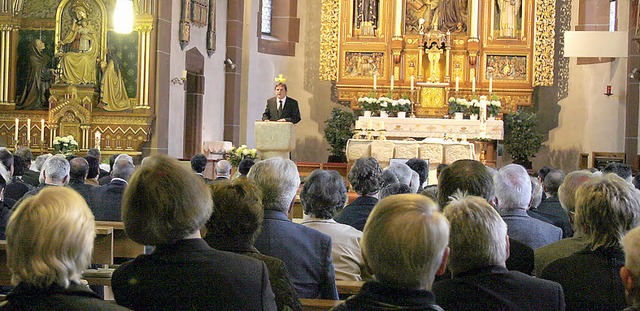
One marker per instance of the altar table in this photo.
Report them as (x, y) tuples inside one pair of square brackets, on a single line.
[(436, 150), (434, 128)]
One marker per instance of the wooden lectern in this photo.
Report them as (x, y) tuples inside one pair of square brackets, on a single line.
[(275, 139)]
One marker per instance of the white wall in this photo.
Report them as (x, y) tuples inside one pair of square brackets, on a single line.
[(213, 101)]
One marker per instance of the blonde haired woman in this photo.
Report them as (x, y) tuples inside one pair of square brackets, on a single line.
[(49, 242)]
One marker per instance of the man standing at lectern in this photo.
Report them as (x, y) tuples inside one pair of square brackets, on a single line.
[(281, 108)]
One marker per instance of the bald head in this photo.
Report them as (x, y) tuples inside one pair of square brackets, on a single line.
[(79, 168)]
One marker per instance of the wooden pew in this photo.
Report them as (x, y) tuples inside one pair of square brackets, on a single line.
[(349, 287), (319, 304), (123, 247), (103, 246)]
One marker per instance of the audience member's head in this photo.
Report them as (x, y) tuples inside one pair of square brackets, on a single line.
[(478, 235), (405, 241), (323, 194), (543, 171), (3, 184), (198, 163), (20, 166), (393, 189), (94, 167), (620, 169), (112, 160), (79, 168), (237, 211), (55, 170), (608, 207), (636, 181), (440, 168), (468, 176), (26, 154), (223, 168), (513, 188), (567, 193), (40, 261), (402, 172), (279, 180), (536, 192), (245, 165), (552, 182), (630, 273), (421, 167), (366, 176), (94, 152), (6, 160), (164, 202), (39, 162), (123, 168), (388, 177)]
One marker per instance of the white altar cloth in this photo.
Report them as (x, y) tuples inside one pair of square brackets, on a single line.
[(435, 128)]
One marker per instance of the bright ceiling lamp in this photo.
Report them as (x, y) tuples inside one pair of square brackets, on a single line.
[(123, 16)]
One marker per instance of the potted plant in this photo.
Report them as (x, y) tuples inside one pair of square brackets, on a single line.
[(386, 106), (493, 109), (474, 109), (457, 107), (522, 137), (404, 106), (369, 104), (337, 133)]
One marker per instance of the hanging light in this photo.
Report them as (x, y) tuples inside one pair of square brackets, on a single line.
[(123, 16)]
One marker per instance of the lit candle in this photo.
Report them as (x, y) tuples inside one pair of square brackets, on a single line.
[(392, 78), (490, 84), (184, 75), (42, 131), (17, 123), (473, 84), (457, 83), (97, 139), (29, 129), (375, 81)]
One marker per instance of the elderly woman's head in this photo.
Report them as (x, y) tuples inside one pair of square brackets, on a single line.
[(323, 193), (237, 211), (50, 238), (164, 202), (366, 176)]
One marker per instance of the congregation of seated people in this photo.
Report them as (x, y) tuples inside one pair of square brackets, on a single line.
[(480, 239)]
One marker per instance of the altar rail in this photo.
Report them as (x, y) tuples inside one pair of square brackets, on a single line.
[(432, 128)]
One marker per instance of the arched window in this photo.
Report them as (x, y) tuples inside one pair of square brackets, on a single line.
[(279, 27)]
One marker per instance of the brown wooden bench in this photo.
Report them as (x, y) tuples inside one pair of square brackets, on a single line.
[(123, 246), (103, 246), (319, 304), (349, 287)]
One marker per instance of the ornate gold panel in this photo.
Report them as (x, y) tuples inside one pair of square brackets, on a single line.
[(432, 97), (329, 30), (543, 54)]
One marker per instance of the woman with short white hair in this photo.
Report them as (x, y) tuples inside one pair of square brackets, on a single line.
[(49, 242)]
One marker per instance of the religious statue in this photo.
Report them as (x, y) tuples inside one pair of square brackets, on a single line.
[(79, 49), (433, 54), (38, 81), (366, 16), (427, 10), (112, 87), (453, 14), (508, 12)]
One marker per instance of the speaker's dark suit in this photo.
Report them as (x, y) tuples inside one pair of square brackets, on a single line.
[(106, 201), (290, 111)]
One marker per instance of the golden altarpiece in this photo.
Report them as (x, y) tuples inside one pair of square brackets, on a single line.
[(429, 46), (70, 49)]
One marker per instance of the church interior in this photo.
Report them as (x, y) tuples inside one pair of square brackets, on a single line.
[(184, 75)]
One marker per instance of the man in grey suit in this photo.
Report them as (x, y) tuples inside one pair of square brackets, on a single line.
[(281, 108), (513, 193)]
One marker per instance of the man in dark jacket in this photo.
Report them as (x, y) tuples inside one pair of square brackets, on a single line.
[(106, 200)]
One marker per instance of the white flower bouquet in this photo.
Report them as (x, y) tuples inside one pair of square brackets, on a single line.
[(236, 154), (65, 144)]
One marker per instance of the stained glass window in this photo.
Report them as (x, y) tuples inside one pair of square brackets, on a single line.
[(266, 17)]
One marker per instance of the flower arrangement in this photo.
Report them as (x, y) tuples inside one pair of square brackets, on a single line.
[(493, 108), (236, 154), (474, 107), (65, 144), (458, 105), (404, 104), (386, 104), (369, 103)]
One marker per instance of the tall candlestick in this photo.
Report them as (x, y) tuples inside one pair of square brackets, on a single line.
[(16, 135), (375, 81), (42, 131), (392, 78), (412, 82), (490, 84), (473, 84), (29, 129), (457, 83)]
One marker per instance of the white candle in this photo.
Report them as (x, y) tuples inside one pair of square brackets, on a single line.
[(473, 84), (392, 78), (29, 129), (490, 84), (369, 125), (381, 126), (457, 83), (97, 139), (357, 127), (16, 135), (412, 82), (375, 81), (42, 131), (184, 74)]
